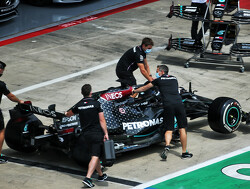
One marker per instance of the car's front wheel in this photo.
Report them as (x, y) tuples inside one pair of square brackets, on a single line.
[(224, 115)]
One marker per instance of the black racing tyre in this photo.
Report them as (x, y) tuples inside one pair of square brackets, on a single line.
[(17, 139), (224, 115), (80, 152)]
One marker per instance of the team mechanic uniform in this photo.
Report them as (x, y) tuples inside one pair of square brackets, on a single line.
[(172, 102), (5, 91), (88, 110), (128, 63)]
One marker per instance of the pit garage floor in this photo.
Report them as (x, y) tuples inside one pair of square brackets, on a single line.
[(40, 69)]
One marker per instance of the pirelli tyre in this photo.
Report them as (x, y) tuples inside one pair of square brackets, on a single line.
[(18, 133), (224, 115)]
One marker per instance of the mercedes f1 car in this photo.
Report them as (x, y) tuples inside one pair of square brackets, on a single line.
[(222, 33), (132, 123)]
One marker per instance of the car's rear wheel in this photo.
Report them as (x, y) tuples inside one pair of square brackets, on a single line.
[(18, 134), (224, 115)]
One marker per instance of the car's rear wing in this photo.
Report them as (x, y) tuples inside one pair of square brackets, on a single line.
[(28, 107)]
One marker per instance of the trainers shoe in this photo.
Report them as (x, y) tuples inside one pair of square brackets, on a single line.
[(164, 153), (3, 159), (88, 182), (186, 155), (103, 177)]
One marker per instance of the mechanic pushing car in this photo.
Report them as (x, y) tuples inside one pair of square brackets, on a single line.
[(93, 127), (173, 107), (4, 90), (133, 59)]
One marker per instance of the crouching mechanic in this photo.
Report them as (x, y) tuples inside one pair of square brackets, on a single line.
[(4, 90), (133, 59), (94, 131), (173, 107)]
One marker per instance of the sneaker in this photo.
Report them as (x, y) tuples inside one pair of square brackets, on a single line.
[(3, 161), (88, 182), (186, 155), (103, 177), (164, 153)]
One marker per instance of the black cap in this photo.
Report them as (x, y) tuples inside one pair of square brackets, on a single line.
[(2, 65)]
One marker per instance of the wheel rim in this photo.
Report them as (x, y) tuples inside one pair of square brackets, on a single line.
[(232, 117)]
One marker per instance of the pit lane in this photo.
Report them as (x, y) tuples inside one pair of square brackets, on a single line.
[(68, 170), (53, 55)]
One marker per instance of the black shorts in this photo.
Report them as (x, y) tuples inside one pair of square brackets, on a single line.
[(171, 111), (94, 142), (126, 78), (1, 121)]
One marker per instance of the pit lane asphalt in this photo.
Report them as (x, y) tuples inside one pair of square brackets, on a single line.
[(87, 45)]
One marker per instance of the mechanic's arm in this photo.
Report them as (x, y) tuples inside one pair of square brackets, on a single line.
[(145, 72), (103, 125), (143, 88), (147, 67), (69, 113), (13, 98)]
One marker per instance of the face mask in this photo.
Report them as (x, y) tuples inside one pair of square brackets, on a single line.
[(157, 75), (148, 51)]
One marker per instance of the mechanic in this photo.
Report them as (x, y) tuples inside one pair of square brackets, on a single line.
[(173, 107), (202, 8), (133, 59), (4, 90), (94, 131)]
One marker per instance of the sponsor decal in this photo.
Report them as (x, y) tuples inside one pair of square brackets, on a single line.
[(230, 128), (85, 107), (116, 95), (141, 58), (69, 119), (142, 124), (122, 111), (221, 32), (246, 14), (113, 96), (190, 9), (42, 112), (221, 5)]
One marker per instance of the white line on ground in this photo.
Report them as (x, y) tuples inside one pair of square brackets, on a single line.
[(46, 83), (193, 168)]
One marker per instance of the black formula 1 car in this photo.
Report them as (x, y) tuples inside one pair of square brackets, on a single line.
[(132, 123)]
